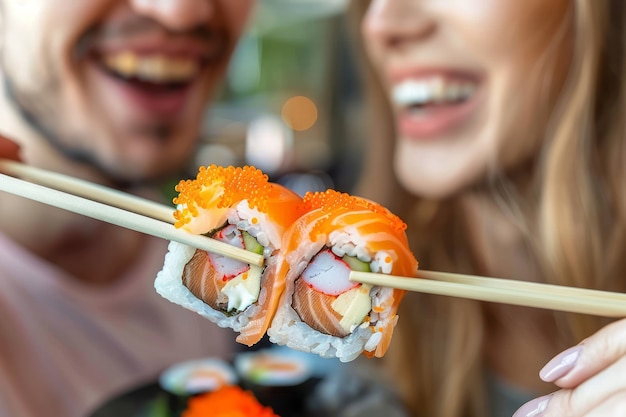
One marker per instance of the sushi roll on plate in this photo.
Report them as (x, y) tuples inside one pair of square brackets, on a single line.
[(197, 376), (273, 367), (280, 377)]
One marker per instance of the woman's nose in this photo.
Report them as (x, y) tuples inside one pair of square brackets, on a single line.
[(393, 22), (176, 15)]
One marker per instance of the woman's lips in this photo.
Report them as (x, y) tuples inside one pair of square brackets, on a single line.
[(434, 120), (433, 104)]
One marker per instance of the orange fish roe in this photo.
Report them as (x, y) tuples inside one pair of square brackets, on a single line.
[(331, 200), (226, 186), (228, 401)]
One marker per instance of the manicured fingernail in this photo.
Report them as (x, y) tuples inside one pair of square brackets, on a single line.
[(561, 364), (534, 408)]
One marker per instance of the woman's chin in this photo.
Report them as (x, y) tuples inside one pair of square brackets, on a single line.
[(432, 184), (440, 169), (428, 191)]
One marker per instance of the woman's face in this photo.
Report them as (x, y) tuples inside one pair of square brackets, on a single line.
[(470, 82)]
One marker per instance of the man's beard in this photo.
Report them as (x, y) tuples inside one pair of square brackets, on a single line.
[(37, 123), (38, 118), (51, 134)]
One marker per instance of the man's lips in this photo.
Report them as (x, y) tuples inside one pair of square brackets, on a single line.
[(153, 73), (143, 35), (139, 47), (150, 85), (154, 99)]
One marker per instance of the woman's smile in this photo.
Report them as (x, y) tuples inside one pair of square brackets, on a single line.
[(465, 80), (429, 103)]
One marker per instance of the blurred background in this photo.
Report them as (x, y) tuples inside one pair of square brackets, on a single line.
[(290, 104)]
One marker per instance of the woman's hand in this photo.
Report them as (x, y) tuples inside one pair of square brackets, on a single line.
[(9, 149), (592, 378)]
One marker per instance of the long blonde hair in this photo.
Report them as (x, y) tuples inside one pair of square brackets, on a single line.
[(574, 218)]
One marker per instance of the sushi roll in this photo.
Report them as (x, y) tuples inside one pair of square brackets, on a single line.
[(197, 376), (321, 311), (279, 377), (239, 206)]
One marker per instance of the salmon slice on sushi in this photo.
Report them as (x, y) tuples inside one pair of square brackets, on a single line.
[(321, 311), (239, 206)]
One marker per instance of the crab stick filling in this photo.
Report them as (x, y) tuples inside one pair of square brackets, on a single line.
[(222, 282), (326, 299)]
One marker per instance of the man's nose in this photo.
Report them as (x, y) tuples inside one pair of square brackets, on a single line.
[(177, 15)]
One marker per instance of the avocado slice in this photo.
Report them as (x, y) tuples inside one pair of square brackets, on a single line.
[(251, 244), (356, 264)]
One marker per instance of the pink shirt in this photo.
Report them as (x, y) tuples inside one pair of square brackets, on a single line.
[(66, 347)]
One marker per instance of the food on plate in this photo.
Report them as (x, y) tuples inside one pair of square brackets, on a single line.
[(321, 310), (197, 376), (279, 377), (272, 367), (239, 206)]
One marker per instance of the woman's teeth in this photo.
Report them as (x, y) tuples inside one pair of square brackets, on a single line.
[(152, 68), (435, 90)]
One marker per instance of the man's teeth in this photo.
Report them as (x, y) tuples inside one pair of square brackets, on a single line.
[(433, 90), (153, 68)]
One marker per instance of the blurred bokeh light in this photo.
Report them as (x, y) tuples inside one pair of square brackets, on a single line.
[(299, 113), (268, 142)]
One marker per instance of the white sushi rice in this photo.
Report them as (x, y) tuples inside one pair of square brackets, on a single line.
[(169, 285), (251, 220), (288, 329), (168, 282)]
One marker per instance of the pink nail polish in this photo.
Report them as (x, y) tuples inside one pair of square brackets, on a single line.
[(534, 408), (561, 364)]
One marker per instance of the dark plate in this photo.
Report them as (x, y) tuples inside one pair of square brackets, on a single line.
[(152, 401), (334, 390), (145, 401)]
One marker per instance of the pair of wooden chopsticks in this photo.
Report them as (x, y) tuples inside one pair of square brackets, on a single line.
[(145, 216), (109, 205)]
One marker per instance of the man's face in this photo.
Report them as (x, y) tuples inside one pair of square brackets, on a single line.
[(122, 84)]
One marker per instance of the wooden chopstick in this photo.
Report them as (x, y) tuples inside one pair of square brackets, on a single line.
[(124, 201), (88, 190), (519, 285), (551, 297), (123, 218)]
